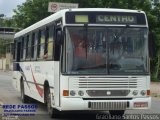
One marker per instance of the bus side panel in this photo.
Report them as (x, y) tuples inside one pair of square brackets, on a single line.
[(56, 84), (16, 76), (26, 73), (34, 75)]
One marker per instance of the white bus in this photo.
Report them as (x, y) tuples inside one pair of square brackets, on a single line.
[(85, 59)]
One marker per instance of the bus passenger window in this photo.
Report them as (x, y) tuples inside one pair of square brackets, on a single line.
[(50, 43), (45, 56), (25, 48), (14, 50), (41, 44), (32, 46), (28, 53), (22, 48), (48, 54), (35, 45)]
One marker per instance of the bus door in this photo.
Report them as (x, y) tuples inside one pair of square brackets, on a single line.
[(18, 52), (57, 52), (16, 66)]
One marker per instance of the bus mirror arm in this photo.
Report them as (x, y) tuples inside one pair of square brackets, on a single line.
[(152, 45), (59, 37)]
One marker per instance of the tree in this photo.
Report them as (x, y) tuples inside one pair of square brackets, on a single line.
[(1, 19), (6, 22), (29, 13), (155, 27)]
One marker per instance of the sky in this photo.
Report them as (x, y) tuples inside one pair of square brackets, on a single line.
[(7, 6)]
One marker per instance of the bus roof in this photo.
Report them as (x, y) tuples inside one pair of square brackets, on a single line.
[(61, 14)]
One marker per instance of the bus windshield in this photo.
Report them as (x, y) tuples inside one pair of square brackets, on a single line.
[(106, 50)]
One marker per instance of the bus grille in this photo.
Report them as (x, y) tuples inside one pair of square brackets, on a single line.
[(108, 105), (119, 83)]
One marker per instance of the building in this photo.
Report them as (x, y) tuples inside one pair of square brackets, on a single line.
[(6, 47)]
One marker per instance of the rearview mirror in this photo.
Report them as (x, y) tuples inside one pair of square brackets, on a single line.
[(58, 42), (59, 37), (152, 45)]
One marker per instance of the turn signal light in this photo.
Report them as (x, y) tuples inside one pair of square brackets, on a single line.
[(65, 93), (148, 92)]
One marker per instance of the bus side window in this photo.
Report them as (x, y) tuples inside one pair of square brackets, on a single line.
[(58, 42), (48, 54), (32, 46), (35, 46), (25, 48), (22, 48), (18, 50), (45, 56), (41, 44), (15, 66), (38, 45), (28, 47), (14, 50)]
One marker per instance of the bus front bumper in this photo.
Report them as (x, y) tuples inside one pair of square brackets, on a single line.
[(68, 104)]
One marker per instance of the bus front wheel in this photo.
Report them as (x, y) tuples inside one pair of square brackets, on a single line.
[(24, 98), (53, 113)]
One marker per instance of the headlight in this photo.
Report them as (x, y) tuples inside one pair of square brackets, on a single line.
[(72, 93), (143, 92), (135, 92), (80, 93)]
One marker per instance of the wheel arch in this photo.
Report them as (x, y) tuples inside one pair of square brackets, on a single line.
[(20, 83), (46, 86)]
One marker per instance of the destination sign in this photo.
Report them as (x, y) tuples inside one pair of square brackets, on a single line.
[(105, 18), (115, 19)]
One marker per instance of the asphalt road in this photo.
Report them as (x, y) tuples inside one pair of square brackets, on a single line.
[(9, 96)]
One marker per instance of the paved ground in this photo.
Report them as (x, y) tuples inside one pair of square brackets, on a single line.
[(155, 89)]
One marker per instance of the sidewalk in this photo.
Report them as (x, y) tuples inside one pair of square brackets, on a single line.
[(155, 89)]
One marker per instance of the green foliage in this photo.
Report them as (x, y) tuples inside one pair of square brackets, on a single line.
[(30, 12), (2, 48), (6, 22)]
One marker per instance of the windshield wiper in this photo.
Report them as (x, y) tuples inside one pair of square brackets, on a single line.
[(114, 66), (93, 67), (85, 37)]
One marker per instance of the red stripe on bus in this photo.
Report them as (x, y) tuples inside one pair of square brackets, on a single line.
[(39, 89)]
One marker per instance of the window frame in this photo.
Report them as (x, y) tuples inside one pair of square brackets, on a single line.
[(50, 35), (40, 38)]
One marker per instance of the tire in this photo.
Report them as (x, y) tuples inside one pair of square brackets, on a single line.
[(24, 98), (53, 113), (119, 113)]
